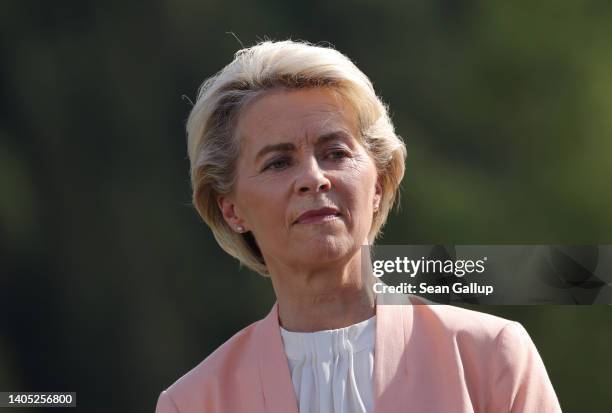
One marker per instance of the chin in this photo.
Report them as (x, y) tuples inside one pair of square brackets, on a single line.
[(324, 248)]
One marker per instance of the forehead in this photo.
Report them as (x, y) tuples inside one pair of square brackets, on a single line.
[(294, 115)]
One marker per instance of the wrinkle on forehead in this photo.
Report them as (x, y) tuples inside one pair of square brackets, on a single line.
[(329, 112)]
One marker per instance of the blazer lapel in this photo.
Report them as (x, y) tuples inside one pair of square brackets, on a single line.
[(277, 386), (393, 329)]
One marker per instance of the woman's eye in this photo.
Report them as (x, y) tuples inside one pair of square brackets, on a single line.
[(278, 164), (338, 154)]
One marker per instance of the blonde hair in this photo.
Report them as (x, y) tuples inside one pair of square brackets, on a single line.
[(213, 147)]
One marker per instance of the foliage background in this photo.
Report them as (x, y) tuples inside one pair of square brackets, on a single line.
[(111, 286)]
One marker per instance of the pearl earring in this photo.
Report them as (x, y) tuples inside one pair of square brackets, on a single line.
[(240, 228)]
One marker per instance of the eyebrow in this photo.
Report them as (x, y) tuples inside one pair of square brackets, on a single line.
[(286, 147)]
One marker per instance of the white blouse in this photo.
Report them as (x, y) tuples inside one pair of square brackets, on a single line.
[(332, 370)]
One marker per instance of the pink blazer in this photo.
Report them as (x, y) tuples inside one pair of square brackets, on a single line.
[(427, 358)]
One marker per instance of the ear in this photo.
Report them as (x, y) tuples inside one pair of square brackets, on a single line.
[(231, 214), (377, 195)]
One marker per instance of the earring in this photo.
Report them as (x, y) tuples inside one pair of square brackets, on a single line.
[(240, 228)]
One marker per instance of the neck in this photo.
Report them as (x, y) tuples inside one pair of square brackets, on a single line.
[(331, 297)]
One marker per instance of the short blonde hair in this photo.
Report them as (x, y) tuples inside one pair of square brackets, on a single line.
[(213, 147)]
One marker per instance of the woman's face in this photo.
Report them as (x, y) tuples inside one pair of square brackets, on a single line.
[(299, 154)]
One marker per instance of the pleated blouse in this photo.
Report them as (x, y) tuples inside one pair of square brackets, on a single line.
[(332, 370)]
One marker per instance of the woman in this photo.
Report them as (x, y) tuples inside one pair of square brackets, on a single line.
[(294, 166)]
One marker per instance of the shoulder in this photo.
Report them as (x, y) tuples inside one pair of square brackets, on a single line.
[(474, 340), (494, 354), (493, 340), (196, 388), (504, 340), (463, 324)]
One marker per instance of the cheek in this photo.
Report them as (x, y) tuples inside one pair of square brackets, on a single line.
[(262, 205), (363, 176), (358, 186)]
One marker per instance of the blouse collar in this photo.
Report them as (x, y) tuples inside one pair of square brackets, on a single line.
[(393, 328), (327, 343)]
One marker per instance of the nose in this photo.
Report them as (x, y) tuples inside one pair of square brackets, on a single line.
[(311, 178)]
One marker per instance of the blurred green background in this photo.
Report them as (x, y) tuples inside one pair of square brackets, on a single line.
[(112, 287)]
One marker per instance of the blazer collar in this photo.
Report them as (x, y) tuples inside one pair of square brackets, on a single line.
[(393, 329), (277, 387)]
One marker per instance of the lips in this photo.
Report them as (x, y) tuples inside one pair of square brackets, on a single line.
[(316, 215)]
